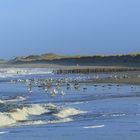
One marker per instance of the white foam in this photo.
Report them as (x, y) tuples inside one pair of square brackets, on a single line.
[(118, 115), (40, 122), (66, 112), (1, 101), (3, 133), (16, 99), (22, 114), (12, 117), (6, 120), (94, 126), (76, 103), (11, 72), (51, 105), (61, 120)]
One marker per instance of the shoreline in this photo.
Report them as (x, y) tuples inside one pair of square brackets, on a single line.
[(133, 73), (130, 81)]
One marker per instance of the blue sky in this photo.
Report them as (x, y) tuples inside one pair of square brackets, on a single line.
[(69, 27)]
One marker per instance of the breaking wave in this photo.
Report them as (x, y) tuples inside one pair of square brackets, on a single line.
[(25, 112), (66, 112), (6, 120), (94, 126), (15, 99), (11, 72), (24, 115), (1, 133), (40, 122)]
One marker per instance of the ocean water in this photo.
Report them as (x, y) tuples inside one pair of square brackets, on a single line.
[(38, 105)]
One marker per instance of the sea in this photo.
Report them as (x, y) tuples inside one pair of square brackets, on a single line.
[(36, 104)]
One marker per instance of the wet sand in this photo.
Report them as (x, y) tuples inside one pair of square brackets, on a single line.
[(128, 80)]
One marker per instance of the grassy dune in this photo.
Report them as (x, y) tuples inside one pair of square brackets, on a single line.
[(96, 60)]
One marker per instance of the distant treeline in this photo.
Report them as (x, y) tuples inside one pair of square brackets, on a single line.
[(129, 59)]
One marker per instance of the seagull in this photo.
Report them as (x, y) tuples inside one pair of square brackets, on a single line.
[(54, 92), (30, 89), (62, 93)]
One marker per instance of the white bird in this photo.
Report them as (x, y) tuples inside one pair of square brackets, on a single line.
[(30, 89), (54, 92), (62, 93)]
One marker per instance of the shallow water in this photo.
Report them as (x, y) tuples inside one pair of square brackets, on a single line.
[(86, 111)]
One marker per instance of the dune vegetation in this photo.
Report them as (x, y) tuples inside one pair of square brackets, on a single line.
[(50, 58)]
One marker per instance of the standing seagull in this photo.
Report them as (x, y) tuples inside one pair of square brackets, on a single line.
[(62, 93)]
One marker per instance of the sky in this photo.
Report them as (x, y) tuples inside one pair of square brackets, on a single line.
[(69, 27)]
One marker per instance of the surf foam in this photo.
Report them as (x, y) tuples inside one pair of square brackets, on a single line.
[(40, 122), (6, 120), (94, 126), (15, 99), (66, 112), (3, 133), (22, 114)]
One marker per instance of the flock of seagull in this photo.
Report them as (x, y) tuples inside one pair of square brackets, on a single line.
[(54, 85), (50, 85)]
